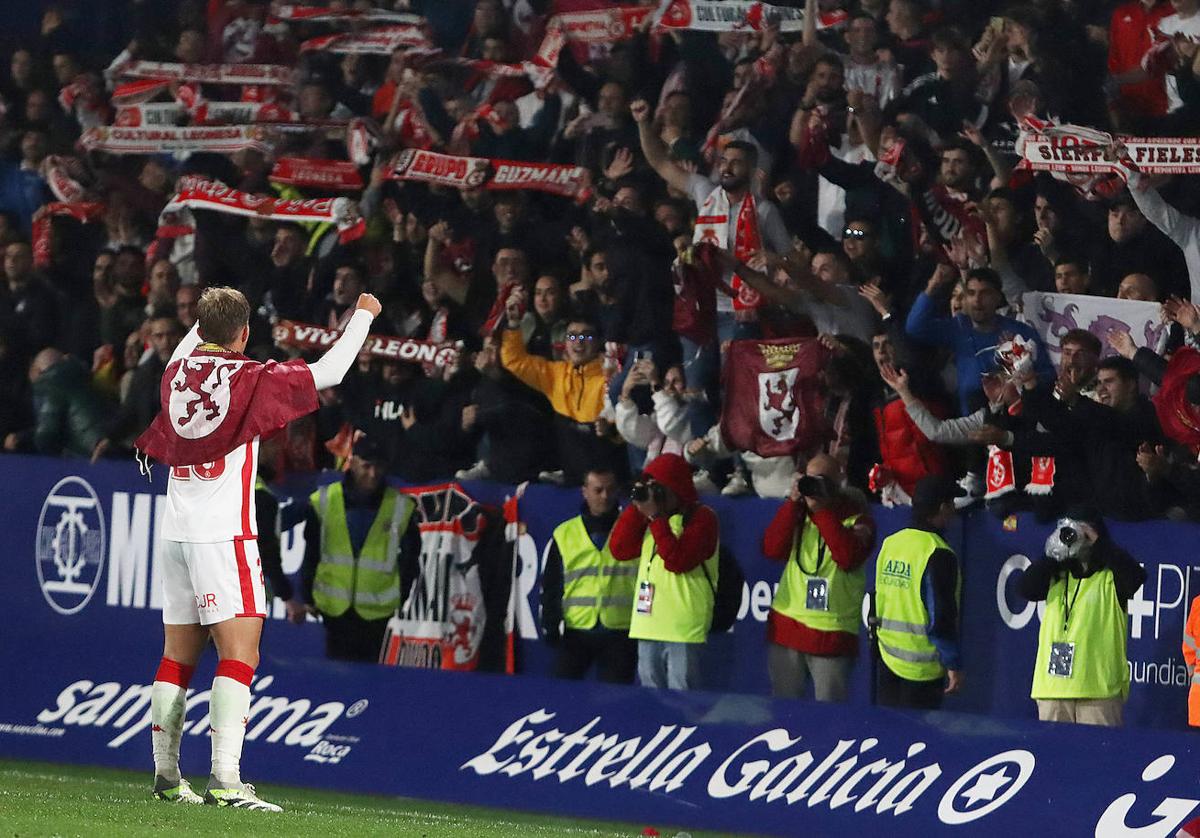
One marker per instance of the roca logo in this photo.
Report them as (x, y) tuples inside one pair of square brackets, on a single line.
[(326, 753), (70, 545)]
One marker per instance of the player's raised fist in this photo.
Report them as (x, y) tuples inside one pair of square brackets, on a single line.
[(640, 109), (368, 302)]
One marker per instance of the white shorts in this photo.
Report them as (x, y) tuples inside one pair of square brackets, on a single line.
[(211, 583)]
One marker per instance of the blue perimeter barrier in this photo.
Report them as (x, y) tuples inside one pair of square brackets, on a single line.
[(82, 640)]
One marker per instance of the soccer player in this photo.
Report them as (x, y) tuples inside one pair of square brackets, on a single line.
[(216, 404)]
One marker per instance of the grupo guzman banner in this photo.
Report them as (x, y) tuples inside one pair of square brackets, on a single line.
[(80, 563)]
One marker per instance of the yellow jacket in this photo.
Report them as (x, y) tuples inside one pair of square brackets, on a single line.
[(574, 392)]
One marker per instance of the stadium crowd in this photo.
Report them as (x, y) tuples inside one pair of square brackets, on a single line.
[(856, 180)]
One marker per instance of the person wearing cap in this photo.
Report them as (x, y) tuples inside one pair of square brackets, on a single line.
[(354, 534), (823, 533), (917, 597), (974, 334), (674, 539), (1081, 673), (587, 595)]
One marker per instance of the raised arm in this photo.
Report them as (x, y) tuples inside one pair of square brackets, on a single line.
[(654, 149), (329, 369)]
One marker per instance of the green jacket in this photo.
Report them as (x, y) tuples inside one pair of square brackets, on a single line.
[(70, 414)]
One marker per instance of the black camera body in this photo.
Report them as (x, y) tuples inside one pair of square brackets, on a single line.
[(815, 486), (647, 491)]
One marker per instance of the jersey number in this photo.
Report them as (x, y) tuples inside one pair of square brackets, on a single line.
[(203, 471)]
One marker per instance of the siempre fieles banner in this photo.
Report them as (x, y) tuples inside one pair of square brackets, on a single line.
[(80, 564)]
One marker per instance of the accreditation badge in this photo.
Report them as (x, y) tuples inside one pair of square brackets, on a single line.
[(1062, 659), (817, 598), (645, 597)]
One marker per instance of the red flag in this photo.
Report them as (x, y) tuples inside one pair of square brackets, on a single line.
[(773, 401), (1179, 418), (216, 400)]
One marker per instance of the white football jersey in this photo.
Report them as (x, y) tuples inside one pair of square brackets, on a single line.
[(213, 501)]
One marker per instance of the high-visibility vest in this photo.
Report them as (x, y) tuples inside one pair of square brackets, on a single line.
[(682, 606), (844, 589), (1097, 625), (370, 581), (596, 587), (1191, 631), (904, 644)]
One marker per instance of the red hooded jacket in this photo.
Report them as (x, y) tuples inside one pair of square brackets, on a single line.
[(695, 544)]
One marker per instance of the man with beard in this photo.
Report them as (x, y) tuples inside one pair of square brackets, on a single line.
[(126, 310), (731, 216)]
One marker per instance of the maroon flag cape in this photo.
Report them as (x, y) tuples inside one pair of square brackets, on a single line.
[(773, 403), (216, 400)]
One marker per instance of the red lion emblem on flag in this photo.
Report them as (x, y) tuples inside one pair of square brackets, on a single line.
[(199, 395), (194, 380)]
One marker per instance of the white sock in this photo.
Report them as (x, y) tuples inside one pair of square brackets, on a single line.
[(167, 704), (228, 709)]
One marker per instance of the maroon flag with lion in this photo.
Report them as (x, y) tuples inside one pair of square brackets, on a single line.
[(215, 400), (773, 402)]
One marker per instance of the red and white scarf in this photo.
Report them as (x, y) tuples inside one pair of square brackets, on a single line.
[(137, 92), (308, 336), (312, 14), (1002, 478), (472, 172), (337, 175), (203, 113), (737, 15), (382, 40), (163, 71), (712, 225), (84, 213), (592, 27), (199, 193), (1075, 154), (220, 140), (59, 177)]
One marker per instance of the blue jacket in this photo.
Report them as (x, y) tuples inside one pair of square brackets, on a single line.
[(974, 351), (22, 191)]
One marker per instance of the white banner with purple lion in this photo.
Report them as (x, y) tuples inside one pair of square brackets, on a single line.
[(1053, 315)]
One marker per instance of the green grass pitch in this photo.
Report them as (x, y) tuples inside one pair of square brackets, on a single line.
[(43, 799)]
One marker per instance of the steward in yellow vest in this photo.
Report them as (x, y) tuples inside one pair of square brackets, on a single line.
[(587, 595), (823, 533), (351, 572), (674, 539), (917, 597), (1081, 673)]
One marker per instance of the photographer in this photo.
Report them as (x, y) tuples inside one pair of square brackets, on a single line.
[(674, 538), (824, 534), (1085, 579)]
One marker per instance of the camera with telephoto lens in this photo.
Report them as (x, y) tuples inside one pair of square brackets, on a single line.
[(815, 486), (1067, 542), (646, 490)]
